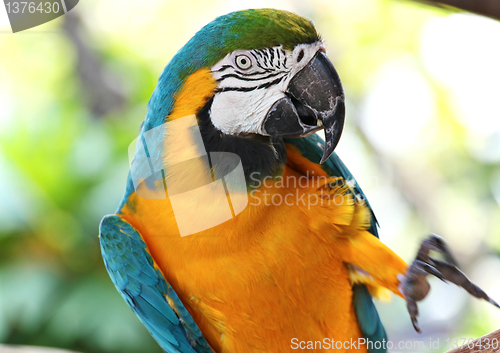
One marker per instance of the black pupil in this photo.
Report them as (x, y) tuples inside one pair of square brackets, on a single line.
[(301, 55), (243, 61)]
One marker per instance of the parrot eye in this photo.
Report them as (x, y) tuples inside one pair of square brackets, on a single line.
[(243, 62)]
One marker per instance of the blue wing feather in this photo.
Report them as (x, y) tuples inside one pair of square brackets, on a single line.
[(145, 290), (368, 318)]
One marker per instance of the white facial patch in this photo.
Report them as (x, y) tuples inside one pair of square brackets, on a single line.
[(250, 82)]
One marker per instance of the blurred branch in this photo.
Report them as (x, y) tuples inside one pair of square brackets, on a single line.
[(30, 349), (100, 87), (489, 8), (489, 343)]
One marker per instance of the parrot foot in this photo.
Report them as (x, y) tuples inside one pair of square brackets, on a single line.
[(414, 285)]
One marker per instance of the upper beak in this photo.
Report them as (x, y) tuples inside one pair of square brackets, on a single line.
[(314, 100)]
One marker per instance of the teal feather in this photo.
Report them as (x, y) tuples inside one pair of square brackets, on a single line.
[(145, 290)]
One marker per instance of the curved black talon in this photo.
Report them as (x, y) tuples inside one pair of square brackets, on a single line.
[(415, 323), (431, 270)]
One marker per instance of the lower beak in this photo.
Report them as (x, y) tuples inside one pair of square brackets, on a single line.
[(314, 100)]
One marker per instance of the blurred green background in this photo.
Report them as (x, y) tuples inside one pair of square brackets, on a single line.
[(422, 137)]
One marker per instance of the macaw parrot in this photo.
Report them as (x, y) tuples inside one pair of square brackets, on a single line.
[(282, 260)]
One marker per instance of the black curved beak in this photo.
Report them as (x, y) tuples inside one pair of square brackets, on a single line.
[(314, 100)]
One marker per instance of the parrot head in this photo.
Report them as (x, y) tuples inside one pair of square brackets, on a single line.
[(253, 78)]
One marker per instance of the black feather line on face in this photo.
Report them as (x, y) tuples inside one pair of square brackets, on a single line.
[(248, 89), (223, 68), (223, 77), (262, 155), (271, 52)]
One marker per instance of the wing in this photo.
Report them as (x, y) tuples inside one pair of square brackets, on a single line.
[(368, 319), (145, 290)]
